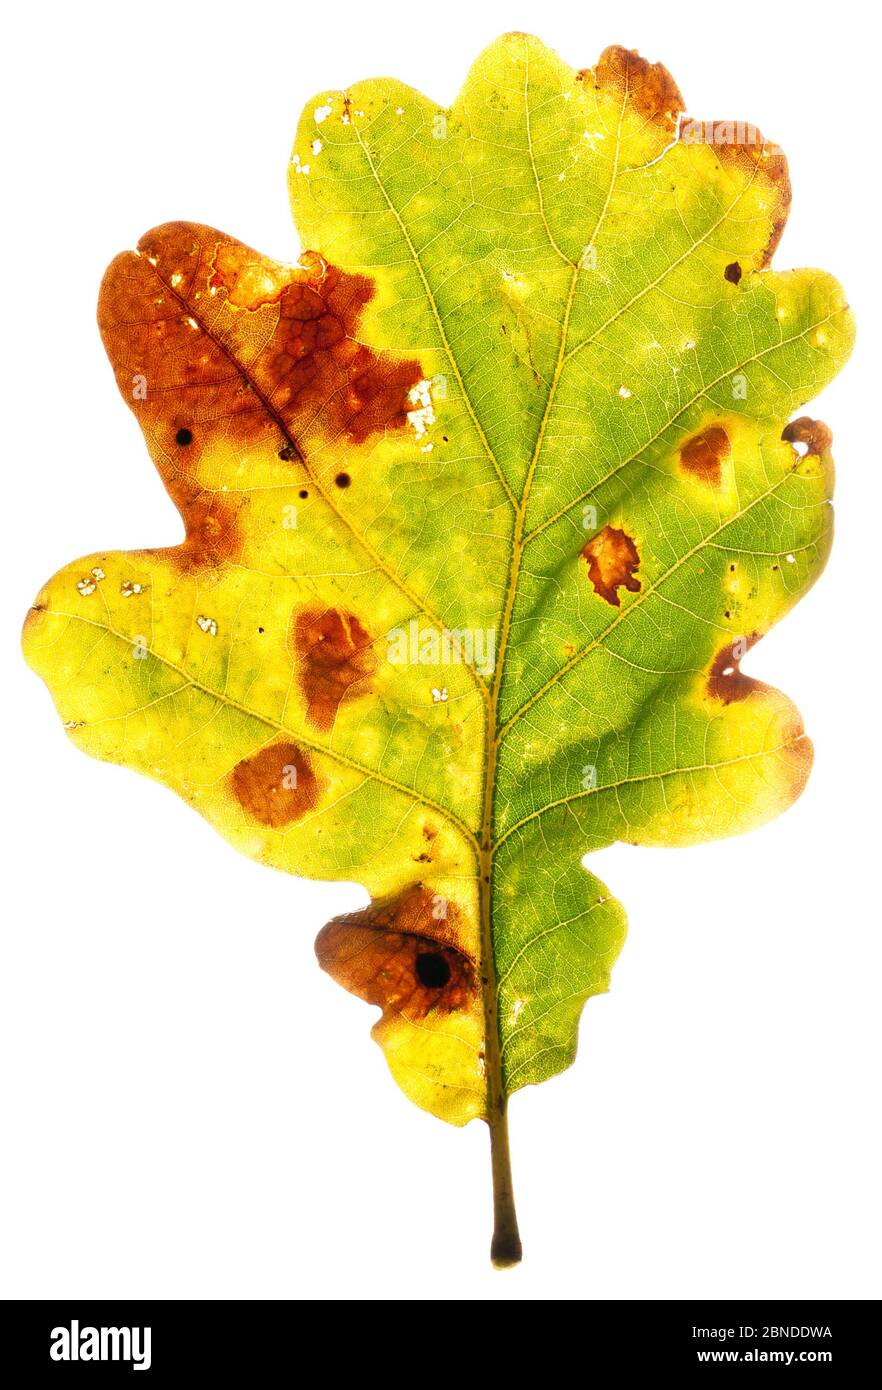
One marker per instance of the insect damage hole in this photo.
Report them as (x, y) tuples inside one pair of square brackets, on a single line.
[(432, 970)]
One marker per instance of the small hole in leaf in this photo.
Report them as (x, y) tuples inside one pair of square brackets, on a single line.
[(733, 273), (342, 480), (432, 970), (184, 437)]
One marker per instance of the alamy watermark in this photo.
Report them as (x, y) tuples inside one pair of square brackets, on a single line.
[(76, 1343), (415, 645), (724, 133)]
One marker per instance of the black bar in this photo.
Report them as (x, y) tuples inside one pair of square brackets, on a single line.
[(243, 1340)]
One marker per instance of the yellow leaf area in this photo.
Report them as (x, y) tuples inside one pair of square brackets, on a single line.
[(485, 498)]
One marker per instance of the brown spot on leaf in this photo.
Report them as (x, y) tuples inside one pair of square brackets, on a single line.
[(733, 273), (429, 833), (34, 618), (814, 434), (335, 659), (276, 786), (725, 680), (703, 455), (648, 87), (396, 954), (797, 758), (612, 559), (213, 534), (211, 341)]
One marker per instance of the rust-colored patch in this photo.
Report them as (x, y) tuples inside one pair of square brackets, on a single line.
[(34, 618), (612, 559), (176, 320), (213, 530), (335, 658), (429, 834), (396, 953), (817, 436), (725, 680), (703, 455), (798, 758), (742, 144), (276, 786), (648, 87)]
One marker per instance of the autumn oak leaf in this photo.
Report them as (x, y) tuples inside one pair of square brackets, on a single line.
[(485, 499)]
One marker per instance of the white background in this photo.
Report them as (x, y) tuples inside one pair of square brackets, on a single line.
[(190, 1107)]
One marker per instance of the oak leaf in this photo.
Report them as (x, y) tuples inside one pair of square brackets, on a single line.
[(485, 498)]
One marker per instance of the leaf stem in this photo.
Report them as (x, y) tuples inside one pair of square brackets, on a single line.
[(505, 1248)]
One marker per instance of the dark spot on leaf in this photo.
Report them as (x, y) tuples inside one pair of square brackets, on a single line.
[(432, 969), (303, 492), (342, 480), (612, 559), (725, 681), (395, 953), (703, 455), (287, 453), (335, 660), (276, 786), (184, 437), (733, 273), (815, 437)]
